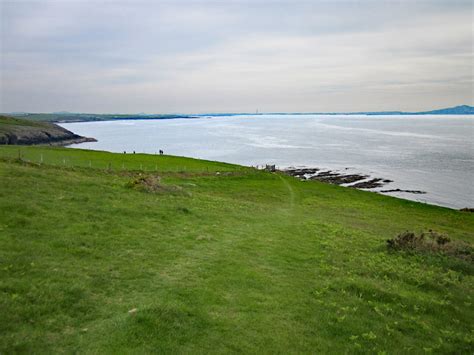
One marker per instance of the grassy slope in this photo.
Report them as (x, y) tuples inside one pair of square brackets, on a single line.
[(241, 261), (6, 121)]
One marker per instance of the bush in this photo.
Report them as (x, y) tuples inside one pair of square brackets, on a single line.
[(148, 183), (431, 242), (152, 184)]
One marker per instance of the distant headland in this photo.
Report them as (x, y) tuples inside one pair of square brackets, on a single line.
[(64, 116), (14, 131)]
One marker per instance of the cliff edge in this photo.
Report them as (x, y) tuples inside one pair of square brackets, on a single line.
[(25, 132)]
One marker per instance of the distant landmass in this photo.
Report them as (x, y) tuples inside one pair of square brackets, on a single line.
[(457, 110), (64, 116)]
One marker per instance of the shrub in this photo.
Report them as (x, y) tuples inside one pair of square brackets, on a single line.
[(148, 183), (431, 242), (152, 183)]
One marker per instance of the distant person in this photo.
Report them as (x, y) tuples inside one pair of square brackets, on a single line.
[(133, 152)]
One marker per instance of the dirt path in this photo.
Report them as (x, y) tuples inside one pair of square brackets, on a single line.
[(291, 193)]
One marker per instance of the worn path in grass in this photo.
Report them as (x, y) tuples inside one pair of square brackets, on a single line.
[(291, 193), (218, 259)]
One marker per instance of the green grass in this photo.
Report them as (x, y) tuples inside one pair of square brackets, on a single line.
[(67, 157), (7, 123), (240, 261)]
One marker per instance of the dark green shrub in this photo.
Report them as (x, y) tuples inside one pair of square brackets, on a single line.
[(431, 242)]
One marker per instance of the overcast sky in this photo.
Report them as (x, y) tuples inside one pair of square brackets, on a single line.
[(235, 56)]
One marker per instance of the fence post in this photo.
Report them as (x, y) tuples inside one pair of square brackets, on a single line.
[(90, 163), (41, 158)]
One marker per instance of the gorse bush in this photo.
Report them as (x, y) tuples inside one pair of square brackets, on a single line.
[(148, 183), (152, 184), (431, 242)]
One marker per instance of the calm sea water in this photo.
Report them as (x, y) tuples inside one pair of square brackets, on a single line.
[(429, 153)]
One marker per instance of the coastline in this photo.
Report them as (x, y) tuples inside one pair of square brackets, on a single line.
[(384, 148), (14, 131), (68, 141), (74, 117)]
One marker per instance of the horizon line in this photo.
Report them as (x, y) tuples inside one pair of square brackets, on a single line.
[(257, 113)]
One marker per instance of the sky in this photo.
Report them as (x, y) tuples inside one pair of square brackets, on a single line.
[(185, 56)]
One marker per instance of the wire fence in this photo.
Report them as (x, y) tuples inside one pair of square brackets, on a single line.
[(129, 162)]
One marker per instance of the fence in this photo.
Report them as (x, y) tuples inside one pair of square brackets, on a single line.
[(107, 161)]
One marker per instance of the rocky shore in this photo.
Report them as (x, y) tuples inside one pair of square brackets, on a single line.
[(356, 181), (14, 131)]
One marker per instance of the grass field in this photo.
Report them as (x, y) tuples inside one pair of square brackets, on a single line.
[(65, 157), (216, 258)]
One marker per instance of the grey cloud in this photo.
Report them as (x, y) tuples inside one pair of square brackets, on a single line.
[(191, 56)]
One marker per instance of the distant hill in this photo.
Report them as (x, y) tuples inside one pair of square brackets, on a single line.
[(457, 110)]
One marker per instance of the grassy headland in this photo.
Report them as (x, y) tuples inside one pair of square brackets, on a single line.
[(112, 253), (21, 131), (89, 117)]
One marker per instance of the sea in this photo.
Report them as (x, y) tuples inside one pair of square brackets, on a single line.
[(429, 153)]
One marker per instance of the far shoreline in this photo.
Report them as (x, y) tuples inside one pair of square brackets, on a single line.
[(74, 117)]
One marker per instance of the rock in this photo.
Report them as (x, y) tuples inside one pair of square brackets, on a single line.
[(336, 178), (407, 191), (301, 172), (370, 184)]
